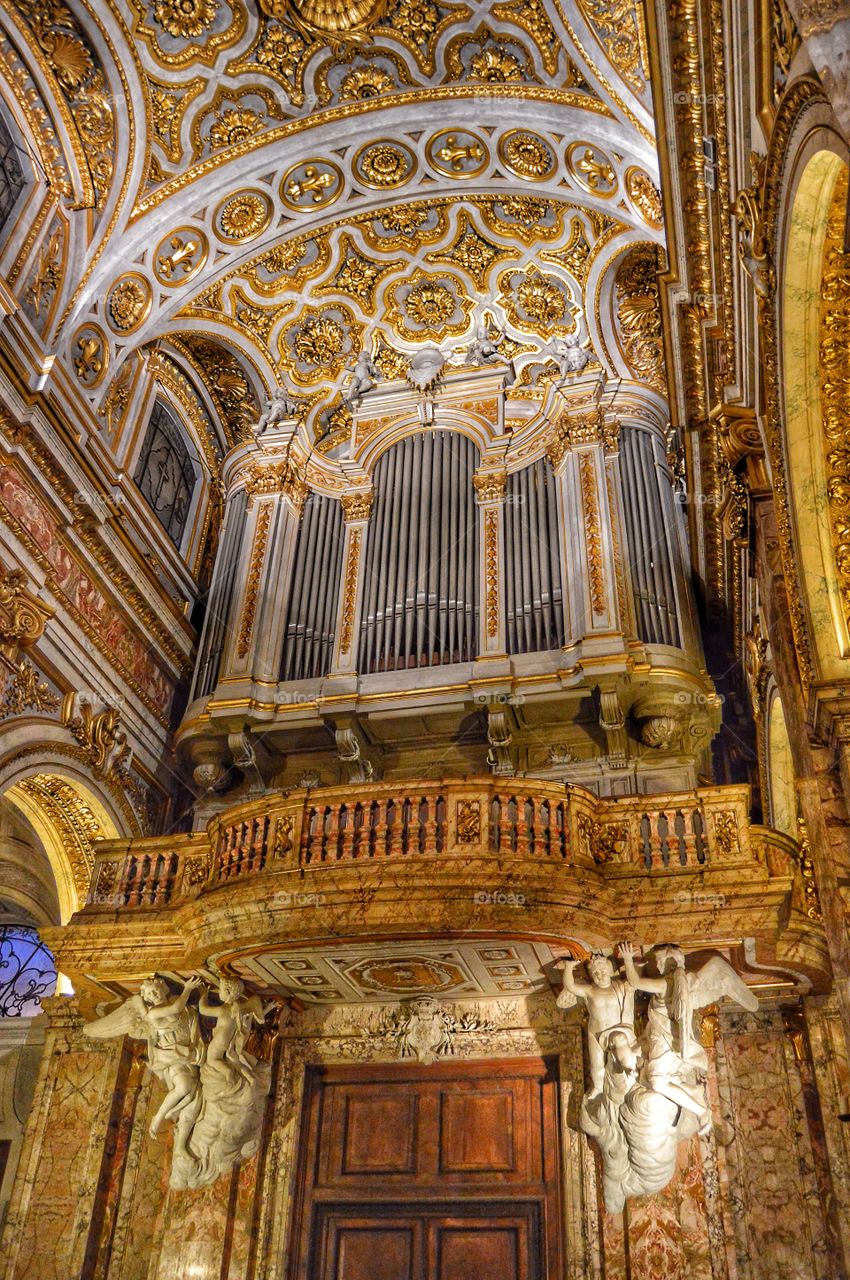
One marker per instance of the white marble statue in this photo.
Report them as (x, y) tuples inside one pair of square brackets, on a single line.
[(216, 1092), (281, 407), (364, 376), (610, 1004), (484, 347), (567, 353), (647, 1094)]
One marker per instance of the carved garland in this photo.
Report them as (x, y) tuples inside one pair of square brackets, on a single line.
[(257, 556), (491, 561), (350, 592), (594, 536)]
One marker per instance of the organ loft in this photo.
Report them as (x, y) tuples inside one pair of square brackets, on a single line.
[(424, 640)]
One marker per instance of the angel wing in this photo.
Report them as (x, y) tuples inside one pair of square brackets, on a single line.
[(717, 979), (127, 1020)]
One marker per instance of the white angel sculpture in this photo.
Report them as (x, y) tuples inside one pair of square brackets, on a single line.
[(567, 353), (484, 347), (652, 1093), (215, 1093), (175, 1047), (364, 375), (280, 407)]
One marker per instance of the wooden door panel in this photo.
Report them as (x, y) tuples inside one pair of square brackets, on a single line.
[(379, 1134), (477, 1131), (491, 1250), (362, 1248)]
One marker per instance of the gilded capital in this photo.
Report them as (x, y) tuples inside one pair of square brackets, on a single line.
[(357, 506)]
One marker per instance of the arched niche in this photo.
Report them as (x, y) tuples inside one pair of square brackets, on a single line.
[(820, 181)]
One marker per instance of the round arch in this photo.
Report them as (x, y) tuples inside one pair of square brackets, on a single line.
[(819, 181), (69, 811)]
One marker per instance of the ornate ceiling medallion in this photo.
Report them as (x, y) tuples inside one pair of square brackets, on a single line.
[(358, 276), (341, 20), (591, 169), (423, 306), (243, 216), (527, 155), (317, 344), (311, 184), (180, 256), (184, 18), (536, 301), (128, 302), (384, 164), (645, 196), (91, 355), (457, 153)]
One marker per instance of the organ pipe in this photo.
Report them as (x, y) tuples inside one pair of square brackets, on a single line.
[(421, 588), (314, 590), (652, 569), (534, 601)]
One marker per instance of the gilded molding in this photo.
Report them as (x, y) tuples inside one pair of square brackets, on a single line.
[(835, 386), (491, 570), (593, 533), (357, 506), (23, 616), (99, 734), (349, 591), (252, 589)]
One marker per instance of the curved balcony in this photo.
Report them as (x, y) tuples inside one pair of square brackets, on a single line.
[(449, 859)]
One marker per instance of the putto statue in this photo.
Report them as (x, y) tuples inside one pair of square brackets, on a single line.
[(567, 353), (484, 347), (216, 1091), (364, 376), (646, 1094), (280, 407)]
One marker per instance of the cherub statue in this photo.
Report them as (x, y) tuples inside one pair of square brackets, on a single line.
[(280, 407), (365, 373), (175, 1047), (610, 1005), (567, 353), (484, 347), (234, 1015)]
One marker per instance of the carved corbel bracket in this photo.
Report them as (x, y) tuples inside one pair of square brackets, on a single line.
[(99, 733), (23, 616)]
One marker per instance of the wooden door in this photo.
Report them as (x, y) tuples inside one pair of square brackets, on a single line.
[(446, 1172)]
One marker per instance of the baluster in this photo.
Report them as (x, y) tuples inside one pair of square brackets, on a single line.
[(427, 827), (377, 821), (357, 828), (522, 827), (663, 828), (545, 825), (308, 836), (132, 882), (346, 833), (511, 843)]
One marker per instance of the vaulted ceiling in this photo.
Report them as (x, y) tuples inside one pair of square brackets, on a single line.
[(270, 188)]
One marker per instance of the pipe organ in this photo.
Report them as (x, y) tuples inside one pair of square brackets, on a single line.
[(444, 587), (421, 602)]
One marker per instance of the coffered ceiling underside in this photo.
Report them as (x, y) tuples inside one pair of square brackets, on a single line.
[(294, 192)]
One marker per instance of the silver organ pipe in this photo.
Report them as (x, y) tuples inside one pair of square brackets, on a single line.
[(421, 573), (314, 590), (649, 540), (220, 597), (535, 608)]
